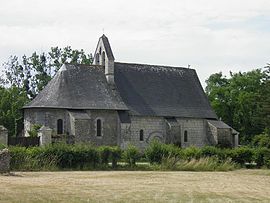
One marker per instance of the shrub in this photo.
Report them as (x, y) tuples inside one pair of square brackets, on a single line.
[(192, 153), (104, 152), (115, 156), (262, 157), (242, 155), (262, 140), (2, 146), (131, 155), (31, 159), (156, 151), (33, 132)]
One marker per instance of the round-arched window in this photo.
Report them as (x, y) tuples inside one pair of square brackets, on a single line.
[(141, 135)]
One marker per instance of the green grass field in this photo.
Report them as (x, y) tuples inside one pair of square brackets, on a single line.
[(136, 186)]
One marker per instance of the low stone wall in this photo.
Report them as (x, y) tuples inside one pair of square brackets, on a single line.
[(4, 161)]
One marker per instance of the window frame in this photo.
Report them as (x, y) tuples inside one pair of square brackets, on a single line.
[(141, 135), (101, 127), (185, 136), (60, 123)]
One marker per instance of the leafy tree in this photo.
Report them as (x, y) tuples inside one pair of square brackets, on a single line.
[(242, 100), (25, 77), (33, 73), (11, 101)]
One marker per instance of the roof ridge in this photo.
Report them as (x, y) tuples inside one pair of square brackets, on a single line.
[(153, 65)]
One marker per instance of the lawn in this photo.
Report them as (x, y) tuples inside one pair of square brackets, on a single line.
[(136, 186)]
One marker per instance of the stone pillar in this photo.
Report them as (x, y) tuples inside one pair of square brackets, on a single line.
[(4, 161), (3, 135), (45, 134)]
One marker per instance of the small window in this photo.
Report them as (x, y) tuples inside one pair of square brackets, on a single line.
[(141, 135), (185, 136), (103, 58), (99, 127), (59, 126), (97, 58)]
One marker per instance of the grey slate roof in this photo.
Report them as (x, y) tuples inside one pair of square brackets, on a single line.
[(79, 114), (219, 124), (144, 90), (78, 87), (161, 91)]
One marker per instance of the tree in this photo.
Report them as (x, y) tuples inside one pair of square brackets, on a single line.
[(24, 78), (33, 73), (11, 101), (241, 101)]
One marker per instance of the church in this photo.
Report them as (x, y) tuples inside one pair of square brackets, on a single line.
[(114, 103)]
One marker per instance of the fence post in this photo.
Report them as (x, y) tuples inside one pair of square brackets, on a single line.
[(45, 134), (3, 135)]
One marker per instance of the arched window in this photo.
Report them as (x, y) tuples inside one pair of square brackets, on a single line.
[(103, 58), (99, 127), (59, 126), (185, 136), (97, 58), (141, 135)]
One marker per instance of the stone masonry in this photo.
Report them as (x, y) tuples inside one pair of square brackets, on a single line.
[(4, 161)]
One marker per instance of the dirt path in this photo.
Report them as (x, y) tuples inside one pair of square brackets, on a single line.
[(237, 186)]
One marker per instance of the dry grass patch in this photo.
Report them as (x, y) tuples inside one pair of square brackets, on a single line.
[(136, 186)]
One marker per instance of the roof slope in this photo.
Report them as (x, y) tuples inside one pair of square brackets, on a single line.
[(78, 87), (162, 91)]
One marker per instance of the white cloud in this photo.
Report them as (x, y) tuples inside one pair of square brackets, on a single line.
[(210, 35)]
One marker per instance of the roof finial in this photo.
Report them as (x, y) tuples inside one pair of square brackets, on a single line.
[(103, 31), (188, 65)]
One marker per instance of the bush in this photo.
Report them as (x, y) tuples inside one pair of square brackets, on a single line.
[(192, 153), (54, 156), (115, 156), (242, 155), (156, 151), (31, 159), (262, 157), (262, 140), (2, 146), (131, 155), (104, 152), (33, 132)]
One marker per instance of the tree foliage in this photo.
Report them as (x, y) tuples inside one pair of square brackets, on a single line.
[(34, 72), (242, 100), (11, 101), (25, 77)]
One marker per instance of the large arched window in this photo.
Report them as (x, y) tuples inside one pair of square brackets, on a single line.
[(103, 58), (141, 135), (60, 126), (185, 136), (99, 127)]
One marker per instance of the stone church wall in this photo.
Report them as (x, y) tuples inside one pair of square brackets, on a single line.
[(46, 117), (110, 129), (153, 128), (83, 130), (196, 132)]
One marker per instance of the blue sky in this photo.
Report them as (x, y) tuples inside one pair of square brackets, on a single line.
[(210, 35)]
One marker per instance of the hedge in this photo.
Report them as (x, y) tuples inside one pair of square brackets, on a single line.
[(82, 157)]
